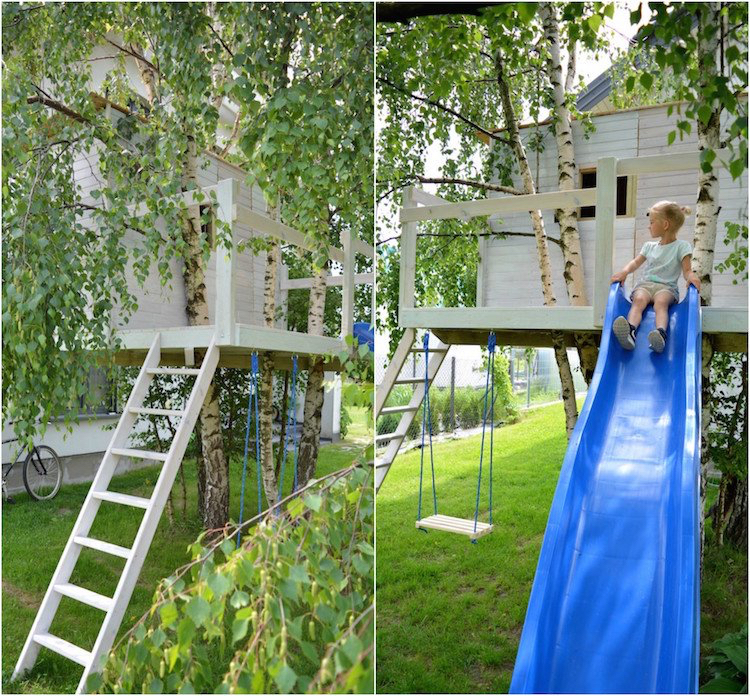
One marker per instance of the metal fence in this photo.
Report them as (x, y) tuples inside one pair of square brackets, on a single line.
[(533, 375)]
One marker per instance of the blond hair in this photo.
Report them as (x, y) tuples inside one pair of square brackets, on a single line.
[(672, 212)]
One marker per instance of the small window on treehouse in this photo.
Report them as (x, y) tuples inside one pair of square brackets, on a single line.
[(625, 195)]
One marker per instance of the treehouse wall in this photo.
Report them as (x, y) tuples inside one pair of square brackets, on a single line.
[(164, 306), (509, 271)]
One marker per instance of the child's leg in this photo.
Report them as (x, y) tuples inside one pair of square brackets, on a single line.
[(640, 300), (662, 300)]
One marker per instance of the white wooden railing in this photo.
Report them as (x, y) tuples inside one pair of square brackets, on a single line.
[(420, 205), (229, 211)]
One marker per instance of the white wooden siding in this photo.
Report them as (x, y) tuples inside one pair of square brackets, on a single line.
[(510, 271), (164, 307)]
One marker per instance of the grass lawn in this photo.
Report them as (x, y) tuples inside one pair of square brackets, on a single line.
[(34, 535), (450, 613)]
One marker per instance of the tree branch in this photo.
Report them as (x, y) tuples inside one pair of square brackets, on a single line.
[(468, 182), (221, 41), (456, 235), (443, 107), (404, 11), (233, 135), (135, 55)]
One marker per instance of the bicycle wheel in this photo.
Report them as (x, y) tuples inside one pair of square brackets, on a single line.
[(42, 473)]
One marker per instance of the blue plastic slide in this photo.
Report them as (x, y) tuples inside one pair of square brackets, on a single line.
[(614, 607)]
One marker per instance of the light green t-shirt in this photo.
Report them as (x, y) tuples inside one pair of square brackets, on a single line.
[(664, 261)]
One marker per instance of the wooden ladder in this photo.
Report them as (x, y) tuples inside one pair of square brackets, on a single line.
[(114, 607), (394, 440)]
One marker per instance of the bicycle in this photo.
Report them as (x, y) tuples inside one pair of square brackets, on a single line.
[(42, 471)]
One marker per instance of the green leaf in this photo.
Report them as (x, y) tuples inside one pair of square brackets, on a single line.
[(647, 80), (239, 629), (286, 679), (704, 113), (308, 650), (220, 584), (594, 22), (352, 647), (299, 574), (198, 609), (185, 632), (722, 685), (671, 136), (313, 501)]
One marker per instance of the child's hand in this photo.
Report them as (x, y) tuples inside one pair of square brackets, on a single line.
[(693, 279), (618, 277)]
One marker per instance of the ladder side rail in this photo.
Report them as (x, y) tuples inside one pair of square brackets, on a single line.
[(71, 551), (393, 447), (152, 515), (394, 368)]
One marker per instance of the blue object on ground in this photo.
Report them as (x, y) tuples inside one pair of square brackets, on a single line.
[(614, 607), (365, 334)]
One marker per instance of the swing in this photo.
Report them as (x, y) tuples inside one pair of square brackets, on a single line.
[(471, 528), (253, 404)]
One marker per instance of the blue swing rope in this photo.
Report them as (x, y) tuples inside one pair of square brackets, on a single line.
[(489, 391), (426, 423), (291, 419), (251, 399)]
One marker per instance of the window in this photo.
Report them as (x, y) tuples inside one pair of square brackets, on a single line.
[(625, 195)]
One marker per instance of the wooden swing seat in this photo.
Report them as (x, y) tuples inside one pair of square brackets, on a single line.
[(457, 525)]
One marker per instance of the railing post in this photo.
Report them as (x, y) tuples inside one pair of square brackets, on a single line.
[(347, 288), (606, 210), (283, 303), (408, 268), (224, 309)]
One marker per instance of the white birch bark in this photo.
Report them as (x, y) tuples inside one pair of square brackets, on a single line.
[(310, 439), (567, 218), (558, 342), (268, 471), (706, 218)]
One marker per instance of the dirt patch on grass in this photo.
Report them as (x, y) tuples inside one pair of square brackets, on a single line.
[(26, 599)]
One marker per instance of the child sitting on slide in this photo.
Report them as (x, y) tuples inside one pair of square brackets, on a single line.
[(665, 259)]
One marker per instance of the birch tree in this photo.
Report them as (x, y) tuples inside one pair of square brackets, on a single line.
[(441, 83), (702, 56), (60, 289)]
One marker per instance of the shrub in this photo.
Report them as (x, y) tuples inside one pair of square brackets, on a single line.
[(727, 667), (290, 611)]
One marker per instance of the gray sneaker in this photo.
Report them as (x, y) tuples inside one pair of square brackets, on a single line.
[(624, 333), (657, 339)]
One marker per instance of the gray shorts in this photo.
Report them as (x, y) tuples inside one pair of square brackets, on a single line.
[(654, 289)]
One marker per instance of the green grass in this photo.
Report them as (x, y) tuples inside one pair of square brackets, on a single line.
[(34, 535), (450, 613)]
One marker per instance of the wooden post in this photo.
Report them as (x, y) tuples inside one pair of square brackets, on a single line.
[(453, 393), (480, 271), (347, 289), (606, 210), (408, 256), (224, 311)]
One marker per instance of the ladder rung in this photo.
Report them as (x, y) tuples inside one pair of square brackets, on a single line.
[(172, 370), (104, 546), (122, 499), (62, 647), (155, 411), (387, 437), (139, 454), (382, 463), (397, 409), (410, 380), (81, 594)]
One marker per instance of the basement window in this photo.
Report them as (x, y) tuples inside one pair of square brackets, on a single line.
[(625, 195)]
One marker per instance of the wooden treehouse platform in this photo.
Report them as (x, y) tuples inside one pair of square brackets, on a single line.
[(532, 325), (228, 285)]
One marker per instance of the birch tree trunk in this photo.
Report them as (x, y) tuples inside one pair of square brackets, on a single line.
[(268, 472), (310, 439), (567, 218), (214, 506), (558, 340), (706, 218), (213, 467)]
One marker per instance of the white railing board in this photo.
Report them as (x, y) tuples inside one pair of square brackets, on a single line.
[(425, 198), (539, 318), (606, 213), (672, 162), (332, 281), (466, 210), (197, 196), (226, 290), (277, 229), (360, 247)]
